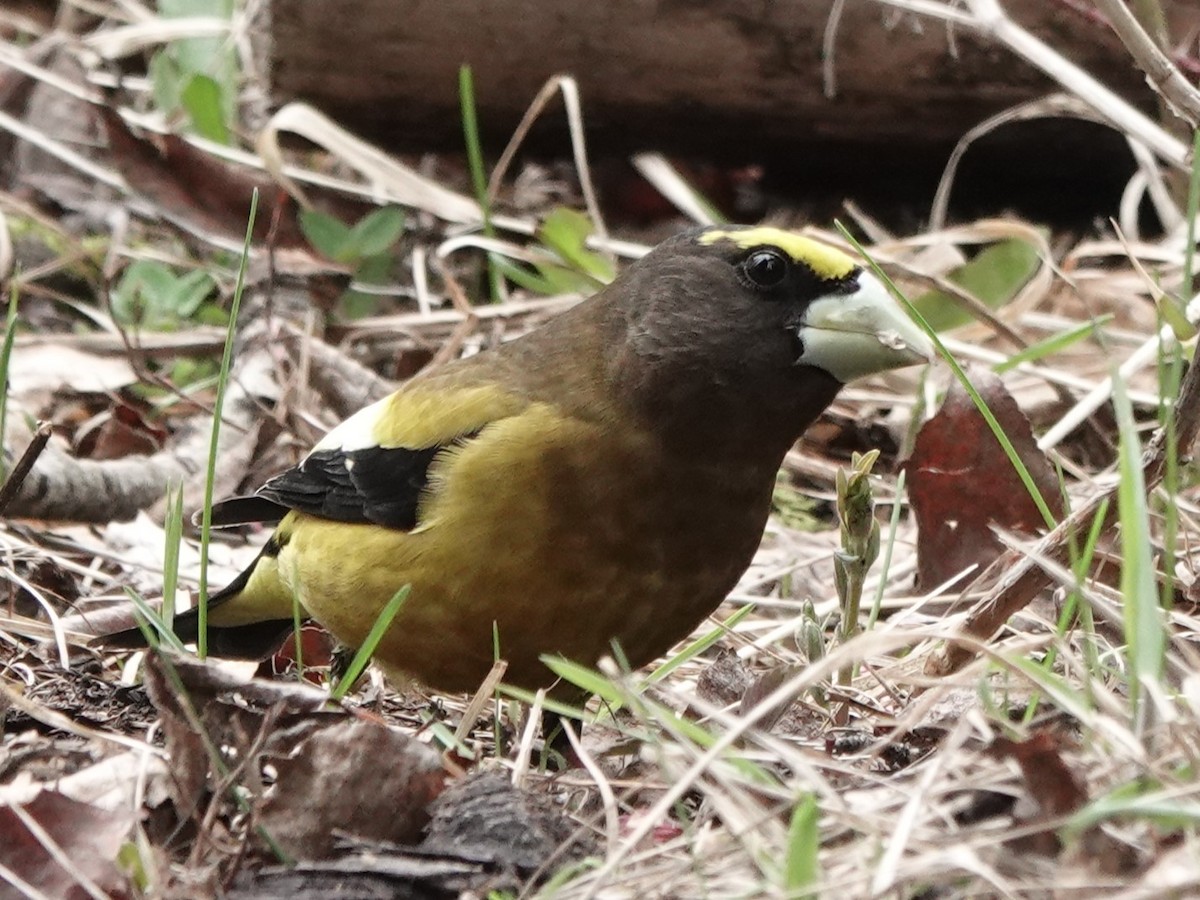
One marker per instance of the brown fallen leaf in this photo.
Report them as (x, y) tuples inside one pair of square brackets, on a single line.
[(486, 838), (352, 777), (725, 681), (1055, 792), (60, 847), (1050, 782), (206, 709), (122, 431), (185, 183), (485, 818), (961, 483)]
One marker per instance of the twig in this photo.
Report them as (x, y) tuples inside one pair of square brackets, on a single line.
[(1025, 578), (988, 18), (453, 344), (16, 478), (344, 383), (1163, 74)]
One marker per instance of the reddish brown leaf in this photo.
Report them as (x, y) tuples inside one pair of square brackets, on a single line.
[(1053, 789), (316, 646), (961, 483), (124, 432), (207, 192), (85, 836), (1051, 784)]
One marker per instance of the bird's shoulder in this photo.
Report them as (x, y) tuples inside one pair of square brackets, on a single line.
[(374, 466)]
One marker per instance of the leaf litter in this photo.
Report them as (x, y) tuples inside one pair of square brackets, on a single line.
[(1022, 768)]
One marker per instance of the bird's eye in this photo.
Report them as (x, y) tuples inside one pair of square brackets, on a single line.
[(765, 269)]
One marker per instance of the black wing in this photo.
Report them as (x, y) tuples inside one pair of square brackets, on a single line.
[(378, 485)]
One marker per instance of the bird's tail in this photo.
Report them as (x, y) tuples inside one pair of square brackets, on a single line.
[(250, 640)]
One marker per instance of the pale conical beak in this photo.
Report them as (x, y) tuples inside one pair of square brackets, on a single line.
[(861, 333)]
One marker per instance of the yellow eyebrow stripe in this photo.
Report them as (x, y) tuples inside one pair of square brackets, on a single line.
[(825, 261)]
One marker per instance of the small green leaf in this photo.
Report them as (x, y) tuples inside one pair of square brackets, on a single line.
[(140, 295), (130, 862), (521, 276), (203, 101), (187, 293), (356, 305), (1174, 314), (212, 314), (804, 840), (374, 269), (328, 236), (565, 231), (376, 232), (561, 280), (996, 275)]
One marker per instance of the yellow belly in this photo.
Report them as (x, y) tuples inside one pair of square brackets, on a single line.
[(526, 531)]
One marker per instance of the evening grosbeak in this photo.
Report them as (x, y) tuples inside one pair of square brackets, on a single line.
[(605, 478)]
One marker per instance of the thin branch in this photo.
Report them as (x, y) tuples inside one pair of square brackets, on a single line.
[(988, 18), (16, 478), (1163, 74)]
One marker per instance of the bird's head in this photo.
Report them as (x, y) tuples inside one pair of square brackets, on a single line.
[(759, 319)]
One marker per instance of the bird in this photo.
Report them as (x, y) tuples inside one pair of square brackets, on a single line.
[(603, 480)]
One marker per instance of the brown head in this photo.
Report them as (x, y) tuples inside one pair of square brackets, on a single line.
[(733, 334)]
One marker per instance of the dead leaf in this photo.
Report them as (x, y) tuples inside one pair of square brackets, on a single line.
[(184, 181), (354, 777), (725, 681), (1053, 790), (203, 706), (1051, 783), (86, 837), (37, 371), (122, 432), (961, 483), (763, 687), (317, 648)]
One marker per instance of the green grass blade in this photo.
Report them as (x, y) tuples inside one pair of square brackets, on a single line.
[(150, 621), (1056, 343), (1144, 628), (549, 704), (10, 335), (470, 124), (698, 646), (1009, 450), (173, 532), (364, 653), (214, 442)]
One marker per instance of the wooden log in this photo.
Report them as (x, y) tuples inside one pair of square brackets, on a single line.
[(679, 76)]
